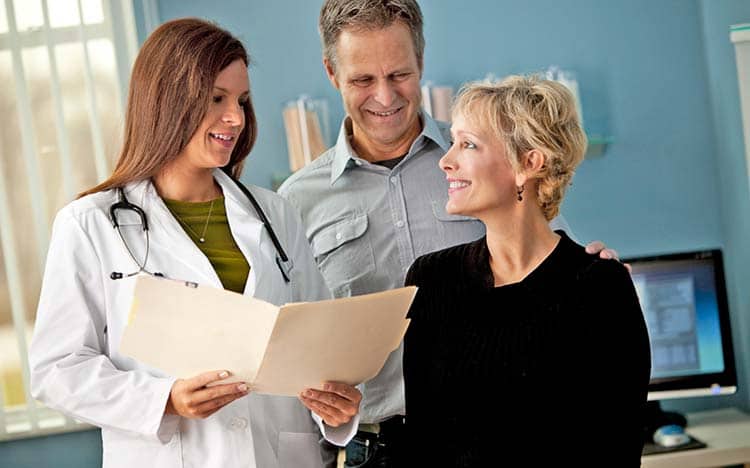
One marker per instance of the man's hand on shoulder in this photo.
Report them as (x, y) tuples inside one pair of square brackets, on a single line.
[(598, 247)]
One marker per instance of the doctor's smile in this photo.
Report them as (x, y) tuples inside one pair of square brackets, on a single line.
[(227, 140)]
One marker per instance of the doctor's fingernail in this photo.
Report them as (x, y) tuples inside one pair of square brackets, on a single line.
[(327, 386), (242, 387), (223, 374), (308, 393)]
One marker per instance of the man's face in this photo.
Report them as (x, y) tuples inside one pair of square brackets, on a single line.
[(378, 75)]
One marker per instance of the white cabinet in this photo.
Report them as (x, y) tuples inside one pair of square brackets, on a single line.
[(740, 35)]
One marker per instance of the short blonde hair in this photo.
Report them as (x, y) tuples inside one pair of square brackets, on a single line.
[(526, 113)]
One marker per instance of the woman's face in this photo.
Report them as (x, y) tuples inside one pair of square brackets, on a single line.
[(212, 143), (480, 177)]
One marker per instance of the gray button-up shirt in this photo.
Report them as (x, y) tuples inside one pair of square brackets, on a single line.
[(367, 224)]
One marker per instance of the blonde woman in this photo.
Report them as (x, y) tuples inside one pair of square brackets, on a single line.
[(522, 328)]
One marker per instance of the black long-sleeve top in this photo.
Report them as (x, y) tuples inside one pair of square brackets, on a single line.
[(557, 364)]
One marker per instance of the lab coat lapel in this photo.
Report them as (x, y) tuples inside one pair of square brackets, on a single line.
[(172, 252), (247, 229)]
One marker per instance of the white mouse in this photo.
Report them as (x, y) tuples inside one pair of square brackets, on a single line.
[(671, 435)]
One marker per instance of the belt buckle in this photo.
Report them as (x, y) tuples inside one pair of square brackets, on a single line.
[(371, 428)]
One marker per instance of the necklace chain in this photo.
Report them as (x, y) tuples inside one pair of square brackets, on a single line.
[(202, 237)]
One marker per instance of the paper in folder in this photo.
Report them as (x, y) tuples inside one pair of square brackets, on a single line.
[(184, 331)]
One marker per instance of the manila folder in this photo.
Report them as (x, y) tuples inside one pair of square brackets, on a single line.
[(183, 330)]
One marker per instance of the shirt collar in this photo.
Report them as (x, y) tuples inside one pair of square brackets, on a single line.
[(344, 156), (433, 131)]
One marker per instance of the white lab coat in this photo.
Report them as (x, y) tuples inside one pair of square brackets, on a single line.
[(75, 364)]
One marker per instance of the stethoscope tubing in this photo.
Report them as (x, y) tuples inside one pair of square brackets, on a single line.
[(282, 260)]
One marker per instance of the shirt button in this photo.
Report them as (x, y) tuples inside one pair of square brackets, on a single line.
[(338, 236), (399, 223), (238, 423), (394, 180)]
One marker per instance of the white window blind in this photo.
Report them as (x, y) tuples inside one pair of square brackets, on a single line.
[(63, 68)]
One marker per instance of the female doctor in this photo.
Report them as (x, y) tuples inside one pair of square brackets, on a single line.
[(189, 126)]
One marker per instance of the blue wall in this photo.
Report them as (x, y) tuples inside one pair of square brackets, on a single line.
[(659, 77), (640, 65)]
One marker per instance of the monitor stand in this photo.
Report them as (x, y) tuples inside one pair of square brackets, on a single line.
[(655, 418)]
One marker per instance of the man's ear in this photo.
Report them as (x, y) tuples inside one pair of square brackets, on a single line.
[(330, 72)]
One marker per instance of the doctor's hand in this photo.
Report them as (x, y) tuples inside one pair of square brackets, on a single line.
[(337, 403), (190, 398), (598, 247)]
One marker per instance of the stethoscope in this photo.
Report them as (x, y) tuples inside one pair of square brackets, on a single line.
[(282, 260)]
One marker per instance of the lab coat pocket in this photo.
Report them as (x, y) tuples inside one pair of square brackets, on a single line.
[(124, 451), (299, 450), (344, 255)]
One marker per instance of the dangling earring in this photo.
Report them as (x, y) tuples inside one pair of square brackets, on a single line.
[(519, 192)]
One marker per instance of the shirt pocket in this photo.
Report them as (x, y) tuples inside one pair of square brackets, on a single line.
[(299, 450), (344, 255), (455, 229)]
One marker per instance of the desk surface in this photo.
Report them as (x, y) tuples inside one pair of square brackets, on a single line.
[(726, 433)]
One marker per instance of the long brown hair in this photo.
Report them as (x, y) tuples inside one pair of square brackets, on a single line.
[(170, 87)]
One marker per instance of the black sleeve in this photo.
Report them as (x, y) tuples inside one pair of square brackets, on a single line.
[(413, 278), (417, 350), (620, 364)]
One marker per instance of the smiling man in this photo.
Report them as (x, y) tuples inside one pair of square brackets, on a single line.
[(376, 201), (378, 75)]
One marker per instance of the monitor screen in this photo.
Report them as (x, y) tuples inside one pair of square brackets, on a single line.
[(684, 301)]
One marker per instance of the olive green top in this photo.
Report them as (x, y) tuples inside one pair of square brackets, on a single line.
[(218, 244)]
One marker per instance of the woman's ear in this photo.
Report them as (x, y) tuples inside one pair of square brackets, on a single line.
[(532, 163)]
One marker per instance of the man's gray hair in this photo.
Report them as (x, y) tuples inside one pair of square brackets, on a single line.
[(337, 15)]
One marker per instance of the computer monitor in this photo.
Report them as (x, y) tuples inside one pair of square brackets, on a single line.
[(684, 301)]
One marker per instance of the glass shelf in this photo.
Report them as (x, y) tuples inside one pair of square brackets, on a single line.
[(597, 145)]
